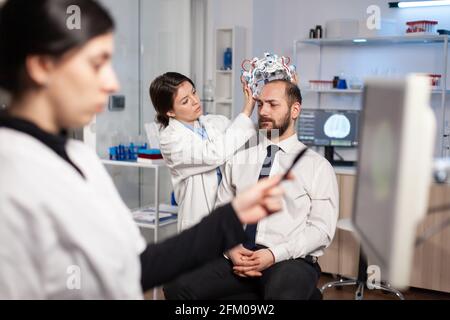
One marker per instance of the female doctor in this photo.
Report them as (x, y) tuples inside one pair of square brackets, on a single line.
[(64, 231), (195, 146)]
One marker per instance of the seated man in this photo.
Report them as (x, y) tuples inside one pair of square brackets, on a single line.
[(279, 260)]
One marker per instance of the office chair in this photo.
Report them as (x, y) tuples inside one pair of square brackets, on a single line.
[(361, 280)]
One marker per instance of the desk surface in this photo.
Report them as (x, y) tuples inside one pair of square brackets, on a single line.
[(133, 164), (337, 169), (345, 170)]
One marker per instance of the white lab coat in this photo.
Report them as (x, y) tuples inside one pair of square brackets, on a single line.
[(62, 236), (193, 162)]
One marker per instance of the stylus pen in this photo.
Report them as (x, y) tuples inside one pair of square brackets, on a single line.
[(298, 157)]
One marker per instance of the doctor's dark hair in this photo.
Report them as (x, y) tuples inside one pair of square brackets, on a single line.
[(162, 93), (43, 27)]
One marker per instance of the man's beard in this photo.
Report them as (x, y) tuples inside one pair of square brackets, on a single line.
[(276, 130)]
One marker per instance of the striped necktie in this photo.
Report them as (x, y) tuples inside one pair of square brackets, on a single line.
[(250, 229)]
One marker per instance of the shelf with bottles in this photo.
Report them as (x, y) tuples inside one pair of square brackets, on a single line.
[(230, 48), (224, 49), (343, 91), (358, 91), (329, 55), (382, 40), (355, 85)]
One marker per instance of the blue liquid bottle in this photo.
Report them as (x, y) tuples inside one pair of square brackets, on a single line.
[(227, 59)]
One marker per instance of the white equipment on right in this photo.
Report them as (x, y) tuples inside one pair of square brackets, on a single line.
[(397, 135)]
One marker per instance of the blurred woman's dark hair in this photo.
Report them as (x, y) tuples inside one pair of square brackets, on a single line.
[(42, 27), (162, 92)]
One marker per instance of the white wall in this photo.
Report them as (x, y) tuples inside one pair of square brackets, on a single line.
[(166, 43), (152, 37), (120, 127), (292, 19), (166, 46), (113, 128), (225, 14)]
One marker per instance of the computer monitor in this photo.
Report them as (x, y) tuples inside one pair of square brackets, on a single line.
[(397, 132), (330, 129)]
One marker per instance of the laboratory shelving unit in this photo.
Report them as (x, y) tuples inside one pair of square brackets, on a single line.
[(228, 99), (154, 226), (386, 41), (156, 167)]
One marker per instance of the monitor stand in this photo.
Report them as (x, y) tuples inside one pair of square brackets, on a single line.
[(329, 155)]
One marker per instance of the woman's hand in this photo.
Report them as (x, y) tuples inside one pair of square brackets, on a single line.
[(249, 100), (259, 201)]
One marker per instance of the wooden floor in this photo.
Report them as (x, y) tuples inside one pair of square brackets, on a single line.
[(348, 293)]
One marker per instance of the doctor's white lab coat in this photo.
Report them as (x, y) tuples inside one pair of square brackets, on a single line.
[(193, 161), (62, 236)]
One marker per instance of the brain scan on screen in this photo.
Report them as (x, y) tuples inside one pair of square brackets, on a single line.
[(337, 126)]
